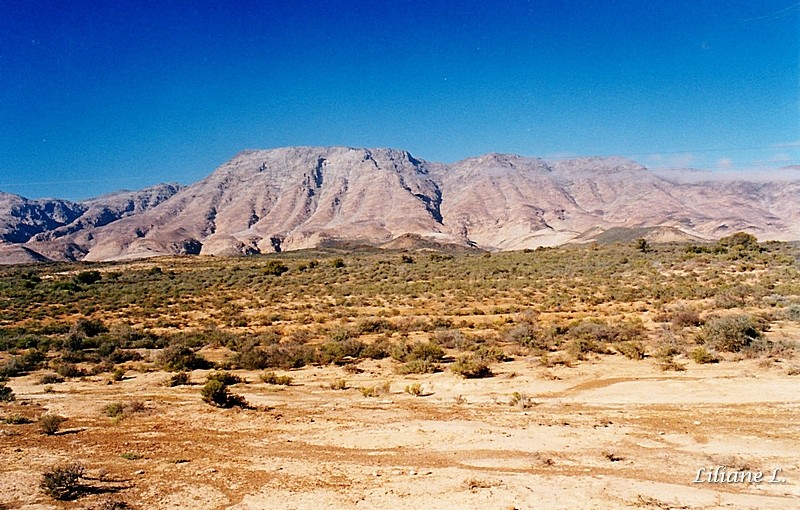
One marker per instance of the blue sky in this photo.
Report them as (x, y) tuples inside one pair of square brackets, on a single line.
[(102, 95)]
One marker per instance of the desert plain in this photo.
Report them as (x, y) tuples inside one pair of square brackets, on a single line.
[(601, 376)]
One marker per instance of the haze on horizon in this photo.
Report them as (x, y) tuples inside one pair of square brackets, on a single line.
[(99, 96)]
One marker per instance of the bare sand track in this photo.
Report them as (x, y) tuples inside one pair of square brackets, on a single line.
[(609, 433)]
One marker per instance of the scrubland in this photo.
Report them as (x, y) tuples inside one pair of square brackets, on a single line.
[(601, 376)]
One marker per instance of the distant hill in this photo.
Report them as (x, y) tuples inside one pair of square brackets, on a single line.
[(302, 197)]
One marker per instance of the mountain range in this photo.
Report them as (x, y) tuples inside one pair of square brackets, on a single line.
[(302, 197)]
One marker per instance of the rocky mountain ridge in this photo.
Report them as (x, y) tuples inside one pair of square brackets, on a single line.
[(302, 197)]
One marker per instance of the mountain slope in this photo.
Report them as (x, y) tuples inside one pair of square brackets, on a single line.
[(300, 197)]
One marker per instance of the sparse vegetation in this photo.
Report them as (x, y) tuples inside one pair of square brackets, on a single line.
[(527, 318)]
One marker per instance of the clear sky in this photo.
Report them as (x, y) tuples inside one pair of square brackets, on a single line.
[(101, 95)]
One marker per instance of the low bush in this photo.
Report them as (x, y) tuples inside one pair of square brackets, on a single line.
[(63, 482), (632, 349), (471, 367), (339, 384), (69, 370), (273, 378), (425, 351), (450, 338), (701, 356), (51, 379), (114, 410), (379, 349), (179, 379), (225, 378), (275, 268), (6, 393), (216, 393), (683, 317), (731, 333), (792, 313), (17, 419), (49, 424), (179, 358), (414, 389), (88, 277)]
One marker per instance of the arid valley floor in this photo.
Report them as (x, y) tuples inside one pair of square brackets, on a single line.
[(576, 377)]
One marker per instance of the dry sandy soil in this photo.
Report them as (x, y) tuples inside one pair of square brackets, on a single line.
[(607, 433)]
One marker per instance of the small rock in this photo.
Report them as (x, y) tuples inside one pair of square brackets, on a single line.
[(212, 470), (697, 422), (412, 473), (139, 472)]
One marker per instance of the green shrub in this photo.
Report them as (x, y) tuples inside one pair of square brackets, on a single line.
[(19, 365), (632, 349), (373, 325), (379, 349), (275, 268), (275, 356), (337, 263), (51, 379), (580, 347), (63, 482), (87, 328), (426, 351), (88, 277), (741, 240), (336, 352), (179, 379), (471, 367), (17, 419), (50, 423), (179, 358), (521, 400), (118, 374), (414, 389), (273, 378), (225, 378), (114, 410), (69, 370), (701, 356), (216, 393), (731, 333), (339, 384)]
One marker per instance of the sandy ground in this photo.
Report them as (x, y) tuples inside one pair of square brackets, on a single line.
[(607, 433)]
